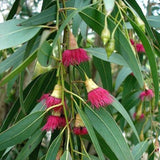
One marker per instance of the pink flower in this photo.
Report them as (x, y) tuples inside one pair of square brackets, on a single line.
[(80, 130), (132, 41), (74, 57), (139, 47), (147, 94), (54, 122), (97, 95), (44, 97), (51, 101)]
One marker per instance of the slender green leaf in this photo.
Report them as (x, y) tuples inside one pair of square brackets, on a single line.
[(90, 158), (31, 145), (139, 149), (154, 21), (91, 133), (44, 53), (21, 130), (13, 9), (54, 147), (109, 130), (31, 94), (101, 54), (13, 60), (124, 113), (11, 34), (95, 20), (77, 19), (46, 15), (66, 156), (104, 69), (151, 56), (18, 69), (124, 72)]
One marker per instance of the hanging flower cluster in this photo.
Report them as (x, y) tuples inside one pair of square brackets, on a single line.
[(97, 96)]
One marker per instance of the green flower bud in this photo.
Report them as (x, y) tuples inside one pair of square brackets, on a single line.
[(122, 4), (105, 35), (110, 47), (140, 23), (40, 70)]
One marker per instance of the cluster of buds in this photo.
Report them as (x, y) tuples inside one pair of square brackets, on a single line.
[(108, 39)]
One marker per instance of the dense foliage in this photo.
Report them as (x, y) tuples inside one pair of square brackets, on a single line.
[(80, 80)]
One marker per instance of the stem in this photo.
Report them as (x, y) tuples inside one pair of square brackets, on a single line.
[(85, 149), (57, 18)]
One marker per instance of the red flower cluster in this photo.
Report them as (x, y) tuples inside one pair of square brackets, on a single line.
[(54, 122), (139, 46), (80, 130), (97, 95), (74, 57), (57, 120), (147, 95)]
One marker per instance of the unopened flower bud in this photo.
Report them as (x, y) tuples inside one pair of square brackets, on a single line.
[(141, 135), (105, 35), (57, 92), (72, 41), (122, 4), (78, 121), (39, 69), (110, 47), (140, 23)]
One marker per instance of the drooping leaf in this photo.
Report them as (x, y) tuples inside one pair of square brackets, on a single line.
[(31, 94), (91, 133), (46, 15), (11, 34), (104, 70), (124, 113), (21, 130), (139, 149), (31, 145), (44, 53), (18, 69), (124, 72), (154, 21), (101, 54), (109, 130), (66, 156), (54, 147)]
